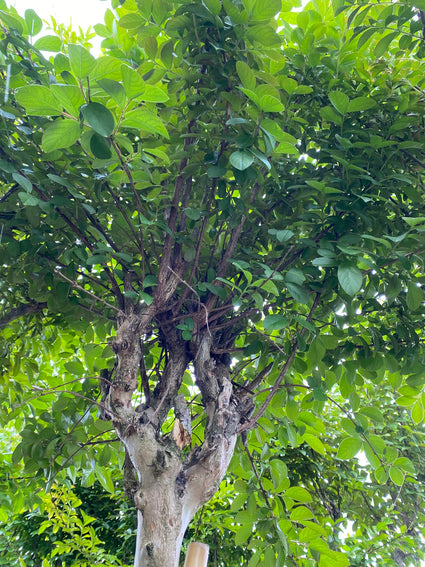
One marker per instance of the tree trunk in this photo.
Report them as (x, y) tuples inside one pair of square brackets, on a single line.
[(170, 493), (171, 486), (160, 529)]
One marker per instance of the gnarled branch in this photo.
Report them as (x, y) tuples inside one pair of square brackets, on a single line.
[(24, 309)]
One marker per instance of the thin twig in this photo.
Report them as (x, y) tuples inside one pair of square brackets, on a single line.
[(50, 481), (244, 439), (77, 286), (197, 294), (12, 190), (282, 374), (77, 394)]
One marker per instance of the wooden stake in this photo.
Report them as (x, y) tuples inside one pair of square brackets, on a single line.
[(197, 555)]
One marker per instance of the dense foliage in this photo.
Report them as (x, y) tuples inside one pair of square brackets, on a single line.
[(244, 172)]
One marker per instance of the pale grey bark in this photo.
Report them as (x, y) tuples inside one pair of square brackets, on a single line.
[(171, 488)]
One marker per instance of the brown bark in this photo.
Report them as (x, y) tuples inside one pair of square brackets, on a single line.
[(24, 309)]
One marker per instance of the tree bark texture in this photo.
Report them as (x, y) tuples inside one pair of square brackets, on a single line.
[(172, 483)]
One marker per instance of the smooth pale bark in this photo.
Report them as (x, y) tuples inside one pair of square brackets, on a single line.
[(171, 486), (170, 493)]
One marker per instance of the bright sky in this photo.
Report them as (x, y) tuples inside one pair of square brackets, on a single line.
[(82, 13)]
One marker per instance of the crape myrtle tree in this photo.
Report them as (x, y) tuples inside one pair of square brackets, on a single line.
[(211, 231)]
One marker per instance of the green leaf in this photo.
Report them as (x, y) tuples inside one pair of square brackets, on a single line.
[(23, 182), (279, 473), (377, 443), (276, 131), (167, 53), (267, 285), (81, 60), (266, 10), (38, 100), (28, 200), (107, 67), (150, 46), (417, 413), (329, 114), (324, 262), (360, 103), (251, 95), (288, 84), (270, 103), (60, 134), (292, 409), (384, 43), (286, 148), (216, 171), (350, 278), (406, 401), (301, 513), (243, 533), (340, 101), (213, 6), (13, 22), (75, 367), (193, 214), (381, 475), (414, 221), (246, 75), (298, 292), (275, 322), (114, 89), (415, 296), (144, 119), (133, 83), (105, 479), (311, 531), (146, 297), (349, 448), (281, 235), (34, 22), (263, 34), (314, 442), (100, 146), (373, 413), (70, 97), (303, 89), (241, 159), (99, 118), (405, 465), (152, 93), (131, 21), (49, 43), (397, 476), (298, 493)]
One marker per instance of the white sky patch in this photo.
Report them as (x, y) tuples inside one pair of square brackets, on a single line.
[(82, 13)]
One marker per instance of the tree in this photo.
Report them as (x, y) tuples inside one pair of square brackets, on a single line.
[(212, 230)]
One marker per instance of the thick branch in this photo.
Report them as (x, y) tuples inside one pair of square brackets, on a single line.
[(167, 282), (24, 309), (128, 352), (12, 190), (234, 239), (170, 382)]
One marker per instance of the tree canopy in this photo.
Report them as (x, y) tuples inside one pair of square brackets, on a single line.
[(212, 249)]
